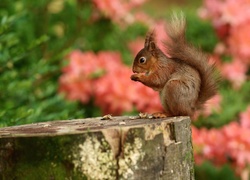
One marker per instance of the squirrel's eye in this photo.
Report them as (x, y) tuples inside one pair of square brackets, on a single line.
[(142, 60)]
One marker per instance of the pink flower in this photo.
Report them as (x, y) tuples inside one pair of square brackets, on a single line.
[(78, 65), (239, 40), (212, 10), (75, 82), (118, 10), (109, 61), (235, 72), (235, 12), (219, 49), (231, 141), (226, 12), (76, 90), (143, 18), (245, 118), (111, 8), (104, 78), (114, 92), (231, 20), (198, 145), (212, 105), (238, 146), (146, 99), (161, 35), (208, 144)]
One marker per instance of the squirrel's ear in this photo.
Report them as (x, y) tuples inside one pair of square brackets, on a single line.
[(150, 41), (151, 46)]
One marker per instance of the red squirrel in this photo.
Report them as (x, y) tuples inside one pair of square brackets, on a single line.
[(184, 78)]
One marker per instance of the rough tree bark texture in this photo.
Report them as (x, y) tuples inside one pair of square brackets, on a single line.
[(117, 148)]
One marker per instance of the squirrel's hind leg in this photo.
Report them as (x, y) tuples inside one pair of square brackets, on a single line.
[(179, 97)]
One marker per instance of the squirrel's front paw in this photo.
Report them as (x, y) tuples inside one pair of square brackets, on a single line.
[(135, 77)]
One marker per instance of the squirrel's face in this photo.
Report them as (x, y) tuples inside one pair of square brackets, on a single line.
[(143, 62)]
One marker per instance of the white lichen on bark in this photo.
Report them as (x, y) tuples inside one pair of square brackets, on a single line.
[(164, 128), (133, 153), (95, 159)]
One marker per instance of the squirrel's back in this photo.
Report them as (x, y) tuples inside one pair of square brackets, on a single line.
[(178, 48)]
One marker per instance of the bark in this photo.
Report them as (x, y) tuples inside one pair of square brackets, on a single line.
[(116, 148)]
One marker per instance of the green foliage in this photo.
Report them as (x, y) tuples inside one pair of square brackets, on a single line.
[(40, 158), (28, 88), (35, 37), (207, 171), (234, 102), (201, 33), (29, 69)]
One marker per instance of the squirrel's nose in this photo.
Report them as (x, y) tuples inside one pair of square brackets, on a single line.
[(134, 70)]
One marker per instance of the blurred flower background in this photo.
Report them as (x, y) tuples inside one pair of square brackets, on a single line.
[(67, 59)]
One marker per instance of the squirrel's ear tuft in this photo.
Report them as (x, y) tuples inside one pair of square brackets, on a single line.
[(150, 41), (152, 46)]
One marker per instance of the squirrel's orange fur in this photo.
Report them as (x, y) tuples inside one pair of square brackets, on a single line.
[(184, 78)]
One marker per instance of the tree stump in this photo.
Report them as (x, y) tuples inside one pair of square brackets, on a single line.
[(115, 148)]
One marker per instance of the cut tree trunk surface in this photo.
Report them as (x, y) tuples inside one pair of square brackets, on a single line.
[(115, 148)]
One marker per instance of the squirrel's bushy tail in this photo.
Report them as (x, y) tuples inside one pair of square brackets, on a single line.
[(178, 48)]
